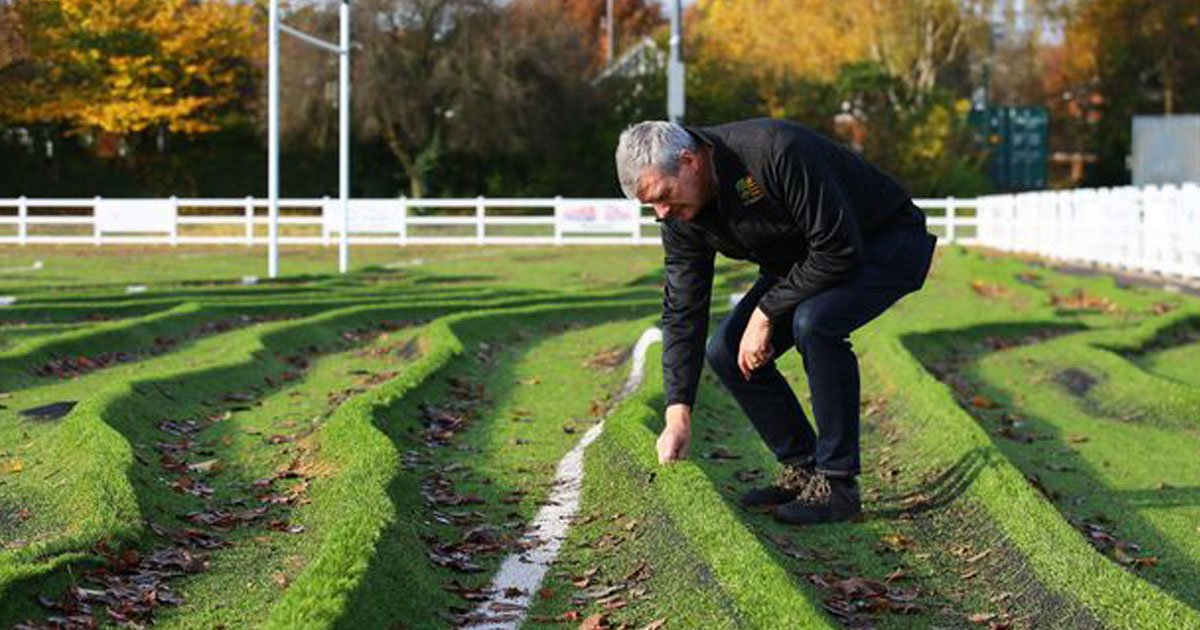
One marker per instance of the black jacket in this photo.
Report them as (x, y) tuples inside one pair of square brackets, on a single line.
[(789, 199)]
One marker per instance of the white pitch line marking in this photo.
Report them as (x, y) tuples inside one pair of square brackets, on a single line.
[(523, 572)]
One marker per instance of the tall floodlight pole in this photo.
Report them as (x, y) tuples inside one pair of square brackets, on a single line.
[(675, 69), (273, 141), (343, 51), (344, 137)]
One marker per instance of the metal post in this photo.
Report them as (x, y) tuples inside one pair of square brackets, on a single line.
[(610, 51), (344, 137), (22, 220), (676, 103), (273, 141)]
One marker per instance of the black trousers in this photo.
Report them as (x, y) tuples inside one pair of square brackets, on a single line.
[(895, 264)]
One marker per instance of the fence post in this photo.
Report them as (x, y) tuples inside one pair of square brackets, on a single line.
[(951, 234), (637, 222), (479, 227), (403, 221), (174, 221), (325, 220), (558, 235), (249, 221), (95, 221), (22, 220)]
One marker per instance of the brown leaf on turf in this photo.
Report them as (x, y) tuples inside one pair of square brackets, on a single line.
[(282, 526), (655, 625), (893, 543), (598, 621), (546, 593), (1081, 300), (981, 618), (988, 289), (983, 402), (608, 358), (206, 466)]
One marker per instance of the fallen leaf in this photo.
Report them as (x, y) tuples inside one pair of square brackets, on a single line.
[(12, 466), (206, 466), (983, 402), (656, 624), (598, 621)]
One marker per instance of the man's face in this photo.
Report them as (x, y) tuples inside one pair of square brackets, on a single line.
[(679, 196)]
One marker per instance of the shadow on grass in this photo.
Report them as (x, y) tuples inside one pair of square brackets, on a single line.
[(937, 493), (193, 395), (401, 585), (953, 355)]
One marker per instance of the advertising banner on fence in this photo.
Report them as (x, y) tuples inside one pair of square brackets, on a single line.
[(143, 216), (597, 216), (367, 216)]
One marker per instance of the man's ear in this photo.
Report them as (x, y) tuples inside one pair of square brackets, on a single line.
[(688, 158)]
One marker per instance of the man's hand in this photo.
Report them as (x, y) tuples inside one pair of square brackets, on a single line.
[(755, 350), (673, 443)]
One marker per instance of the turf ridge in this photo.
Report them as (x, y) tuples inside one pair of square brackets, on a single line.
[(351, 444), (1123, 447), (1055, 551), (760, 593), (101, 502)]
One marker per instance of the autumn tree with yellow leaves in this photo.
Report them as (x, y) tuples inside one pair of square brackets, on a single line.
[(125, 66)]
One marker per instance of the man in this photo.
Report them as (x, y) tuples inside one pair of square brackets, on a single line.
[(837, 242)]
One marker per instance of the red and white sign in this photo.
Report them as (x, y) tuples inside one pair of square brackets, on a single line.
[(597, 216)]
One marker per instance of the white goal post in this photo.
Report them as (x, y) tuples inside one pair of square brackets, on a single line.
[(342, 49)]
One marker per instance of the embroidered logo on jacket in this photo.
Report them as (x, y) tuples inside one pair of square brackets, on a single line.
[(749, 190)]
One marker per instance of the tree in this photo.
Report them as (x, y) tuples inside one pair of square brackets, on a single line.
[(467, 77), (1146, 60), (123, 66), (634, 19)]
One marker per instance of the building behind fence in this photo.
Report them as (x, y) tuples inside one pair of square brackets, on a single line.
[(1151, 229)]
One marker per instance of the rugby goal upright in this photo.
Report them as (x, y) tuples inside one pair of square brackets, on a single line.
[(342, 49)]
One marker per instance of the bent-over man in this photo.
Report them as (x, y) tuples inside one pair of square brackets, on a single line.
[(837, 241)]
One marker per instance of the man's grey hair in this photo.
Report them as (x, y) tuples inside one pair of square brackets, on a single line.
[(651, 143)]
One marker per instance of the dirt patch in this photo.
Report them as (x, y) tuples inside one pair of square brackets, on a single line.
[(1076, 381)]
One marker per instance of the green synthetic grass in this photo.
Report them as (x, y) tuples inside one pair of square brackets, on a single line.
[(1121, 453), (497, 455), (361, 562), (738, 581), (99, 456)]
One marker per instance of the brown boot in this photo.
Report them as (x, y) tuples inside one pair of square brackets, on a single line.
[(791, 481), (825, 500)]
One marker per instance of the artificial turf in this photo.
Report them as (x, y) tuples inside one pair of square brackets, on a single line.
[(983, 504)]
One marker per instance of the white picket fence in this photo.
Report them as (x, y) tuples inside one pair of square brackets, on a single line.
[(473, 221), (1151, 229)]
